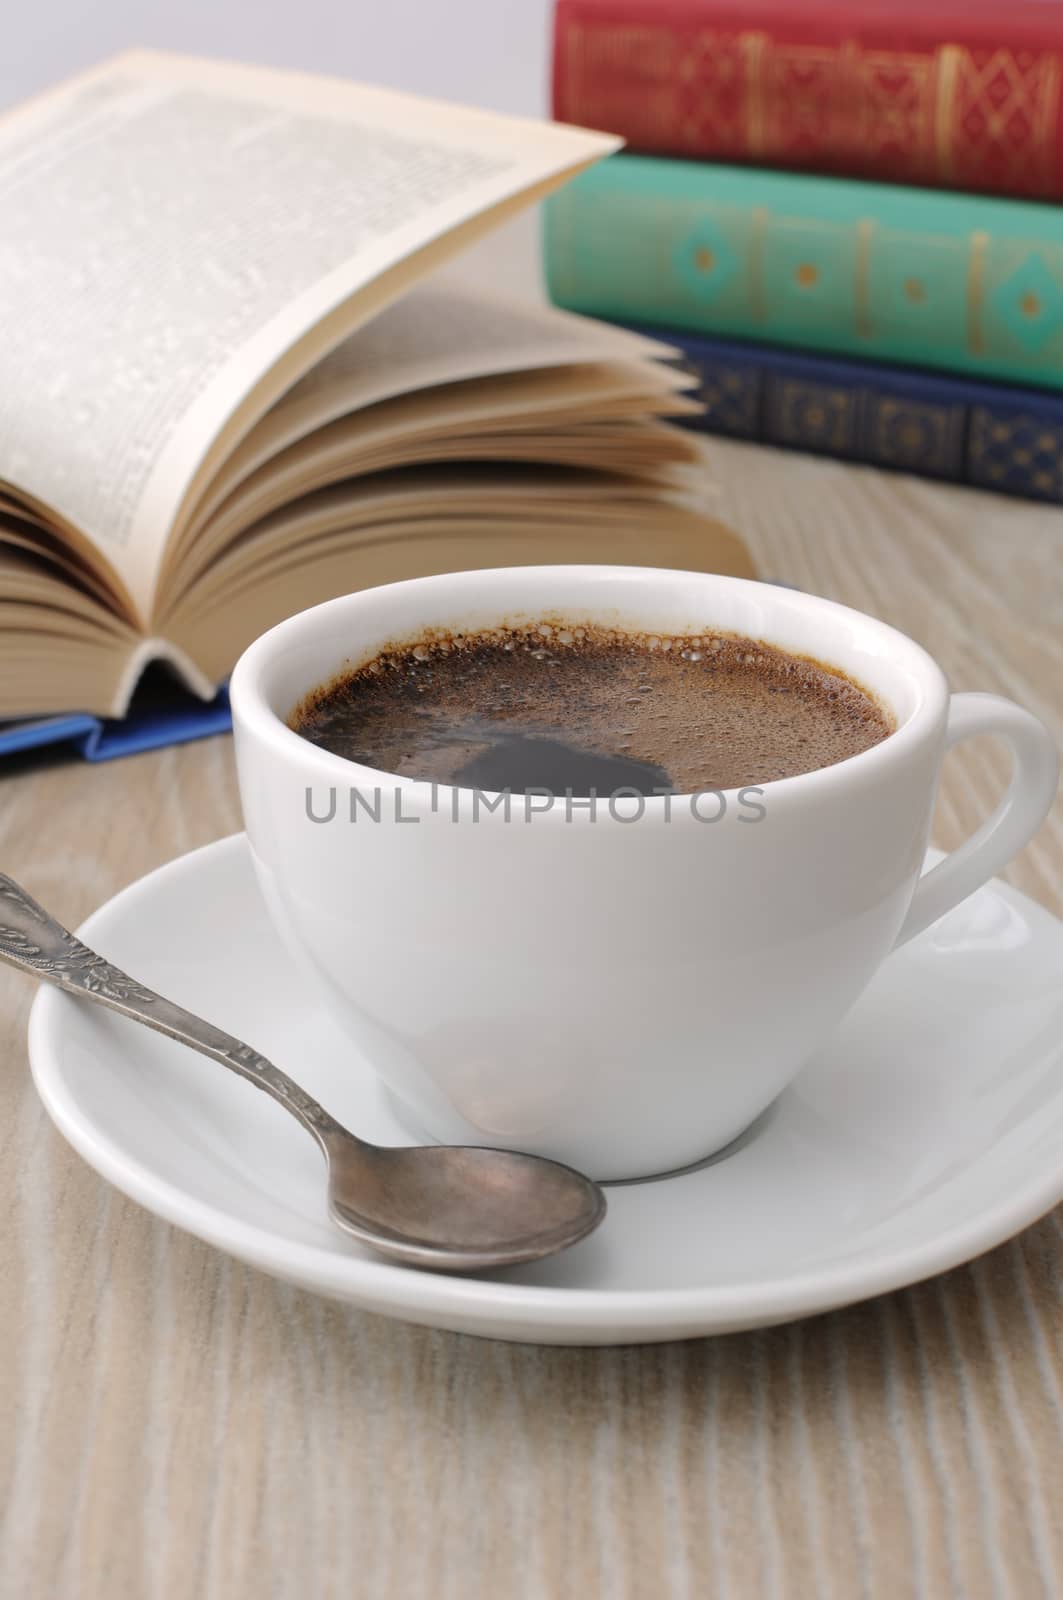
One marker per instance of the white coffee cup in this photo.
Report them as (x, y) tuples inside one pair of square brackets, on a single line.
[(625, 991)]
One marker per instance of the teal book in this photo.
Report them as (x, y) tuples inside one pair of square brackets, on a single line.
[(962, 282)]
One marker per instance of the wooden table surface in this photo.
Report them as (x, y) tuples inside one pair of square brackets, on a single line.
[(177, 1425)]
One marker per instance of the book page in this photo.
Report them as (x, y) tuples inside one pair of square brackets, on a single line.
[(445, 330), (372, 532), (173, 233), (441, 332), (590, 416)]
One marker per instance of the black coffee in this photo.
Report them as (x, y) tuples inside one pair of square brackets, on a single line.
[(584, 710)]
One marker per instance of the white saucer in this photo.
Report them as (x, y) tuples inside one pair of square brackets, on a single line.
[(930, 1130)]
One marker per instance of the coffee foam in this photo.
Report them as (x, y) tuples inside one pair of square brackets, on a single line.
[(709, 709)]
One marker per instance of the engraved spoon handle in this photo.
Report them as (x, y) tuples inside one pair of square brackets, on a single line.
[(36, 943)]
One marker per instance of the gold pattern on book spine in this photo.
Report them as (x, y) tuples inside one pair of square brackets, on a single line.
[(757, 233), (1002, 106), (952, 114), (976, 291), (1023, 448), (865, 229)]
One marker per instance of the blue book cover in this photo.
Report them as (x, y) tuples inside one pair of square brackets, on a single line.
[(158, 720), (989, 435)]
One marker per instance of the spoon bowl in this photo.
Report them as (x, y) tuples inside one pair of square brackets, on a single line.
[(464, 1208)]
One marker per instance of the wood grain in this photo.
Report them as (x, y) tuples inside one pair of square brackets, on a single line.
[(179, 1427)]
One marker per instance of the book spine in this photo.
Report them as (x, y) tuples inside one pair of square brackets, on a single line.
[(992, 437), (828, 264), (946, 95)]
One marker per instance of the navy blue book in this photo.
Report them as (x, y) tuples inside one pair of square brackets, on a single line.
[(989, 435)]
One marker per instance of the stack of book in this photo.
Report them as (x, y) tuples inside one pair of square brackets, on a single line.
[(848, 218)]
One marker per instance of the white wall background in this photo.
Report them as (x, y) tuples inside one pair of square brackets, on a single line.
[(486, 52)]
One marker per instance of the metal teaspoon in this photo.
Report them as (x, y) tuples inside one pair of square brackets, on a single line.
[(457, 1208)]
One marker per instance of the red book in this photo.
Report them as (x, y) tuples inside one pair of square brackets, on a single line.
[(958, 94)]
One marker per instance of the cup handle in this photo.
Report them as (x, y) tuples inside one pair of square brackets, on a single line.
[(1034, 776)]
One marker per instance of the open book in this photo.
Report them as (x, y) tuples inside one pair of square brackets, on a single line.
[(215, 408)]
